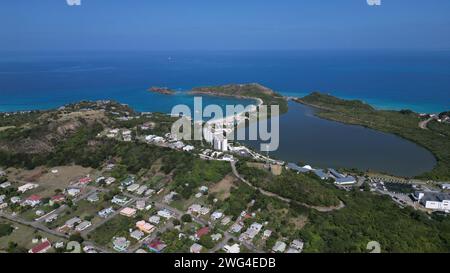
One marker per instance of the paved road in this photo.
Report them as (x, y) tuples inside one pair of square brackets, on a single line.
[(287, 200), (35, 225), (423, 124)]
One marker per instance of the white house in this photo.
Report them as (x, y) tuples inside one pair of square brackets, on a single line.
[(165, 213), (279, 247), (27, 187), (232, 249)]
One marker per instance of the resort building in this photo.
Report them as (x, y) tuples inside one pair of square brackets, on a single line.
[(433, 200)]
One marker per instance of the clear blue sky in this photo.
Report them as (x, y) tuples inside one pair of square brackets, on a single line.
[(223, 24)]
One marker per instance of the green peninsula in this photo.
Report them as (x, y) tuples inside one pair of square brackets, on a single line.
[(248, 91)]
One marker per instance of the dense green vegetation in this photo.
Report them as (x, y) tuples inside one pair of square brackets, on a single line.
[(5, 229), (402, 123), (254, 90), (238, 200), (440, 128), (104, 233), (189, 172), (304, 188), (18, 119), (368, 217)]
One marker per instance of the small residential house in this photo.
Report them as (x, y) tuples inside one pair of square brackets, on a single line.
[(140, 204), (155, 219), (104, 213), (145, 227), (33, 200), (27, 187), (57, 199), (72, 222), (137, 234), (93, 198), (73, 191), (85, 180), (128, 212), (119, 200), (296, 246), (120, 244), (141, 190), (5, 185), (127, 182), (232, 249), (82, 226), (133, 187), (196, 248), (226, 220), (216, 237), (236, 227), (216, 215), (165, 213), (110, 180), (201, 232), (156, 245), (267, 233), (279, 247), (43, 247)]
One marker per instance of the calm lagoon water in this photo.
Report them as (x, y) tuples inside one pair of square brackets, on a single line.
[(328, 144)]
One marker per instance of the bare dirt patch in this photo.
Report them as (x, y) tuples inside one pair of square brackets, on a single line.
[(299, 222), (223, 187), (47, 180), (6, 128)]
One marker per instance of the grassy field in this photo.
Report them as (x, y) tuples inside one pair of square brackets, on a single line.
[(23, 235), (402, 123), (83, 210), (117, 226)]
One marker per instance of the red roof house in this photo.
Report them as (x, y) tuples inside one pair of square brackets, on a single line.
[(41, 248), (34, 197), (201, 232), (156, 245), (58, 198), (85, 180)]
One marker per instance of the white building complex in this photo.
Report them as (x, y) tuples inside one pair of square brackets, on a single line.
[(216, 138), (434, 200)]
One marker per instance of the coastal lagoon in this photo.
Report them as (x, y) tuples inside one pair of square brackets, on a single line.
[(322, 143), (387, 79)]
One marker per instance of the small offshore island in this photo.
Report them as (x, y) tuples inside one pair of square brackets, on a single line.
[(161, 90)]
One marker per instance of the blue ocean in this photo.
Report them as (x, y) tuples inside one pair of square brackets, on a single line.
[(386, 79), (417, 80)]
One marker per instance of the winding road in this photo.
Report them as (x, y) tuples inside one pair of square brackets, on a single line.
[(287, 200), (423, 123)]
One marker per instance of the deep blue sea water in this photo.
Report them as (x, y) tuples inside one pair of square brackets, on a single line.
[(387, 79)]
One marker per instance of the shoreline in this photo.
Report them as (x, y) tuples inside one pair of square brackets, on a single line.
[(436, 153), (378, 104)]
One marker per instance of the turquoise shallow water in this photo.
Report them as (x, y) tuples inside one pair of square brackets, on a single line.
[(388, 79)]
